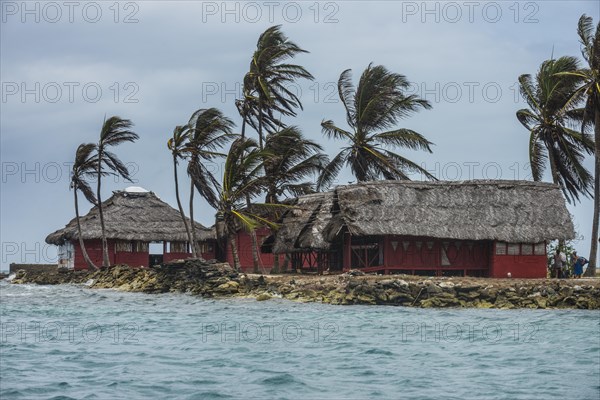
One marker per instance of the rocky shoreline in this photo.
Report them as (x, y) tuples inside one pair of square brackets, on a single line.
[(211, 279)]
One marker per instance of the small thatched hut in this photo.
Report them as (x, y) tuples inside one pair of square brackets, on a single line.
[(134, 218), (476, 228)]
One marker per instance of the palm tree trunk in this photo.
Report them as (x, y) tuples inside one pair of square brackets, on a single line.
[(86, 257), (275, 269), (254, 242), (105, 257), (591, 270), (286, 262), (554, 172), (234, 249), (553, 168), (187, 228), (194, 244), (220, 229), (244, 124), (254, 251)]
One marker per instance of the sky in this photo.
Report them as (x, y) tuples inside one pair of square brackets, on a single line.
[(64, 66)]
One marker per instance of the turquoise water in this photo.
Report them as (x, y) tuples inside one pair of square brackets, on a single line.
[(61, 342)]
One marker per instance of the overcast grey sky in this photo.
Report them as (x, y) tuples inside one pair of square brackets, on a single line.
[(65, 65)]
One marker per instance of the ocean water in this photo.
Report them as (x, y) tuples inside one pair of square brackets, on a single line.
[(63, 342)]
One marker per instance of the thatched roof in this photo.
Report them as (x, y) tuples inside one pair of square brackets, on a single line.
[(511, 211), (131, 215), (303, 226)]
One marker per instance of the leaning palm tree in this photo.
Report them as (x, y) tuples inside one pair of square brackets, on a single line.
[(550, 120), (114, 131), (207, 131), (269, 74), (176, 145), (85, 166), (590, 88), (290, 162), (242, 179), (372, 112)]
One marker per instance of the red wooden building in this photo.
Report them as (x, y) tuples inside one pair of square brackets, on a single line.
[(244, 245), (469, 228), (141, 230)]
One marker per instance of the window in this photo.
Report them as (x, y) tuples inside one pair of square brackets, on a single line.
[(141, 247), (540, 249), (178, 247), (365, 252), (500, 248), (513, 249), (123, 246), (526, 249)]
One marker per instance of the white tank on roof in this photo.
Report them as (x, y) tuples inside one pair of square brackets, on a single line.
[(136, 189)]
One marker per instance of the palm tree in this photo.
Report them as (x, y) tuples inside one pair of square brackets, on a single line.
[(114, 131), (207, 131), (291, 159), (269, 74), (85, 165), (242, 179), (552, 114), (372, 109), (590, 89), (176, 145)]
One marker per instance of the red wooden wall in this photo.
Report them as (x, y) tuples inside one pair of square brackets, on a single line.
[(448, 257), (244, 245), (518, 265), (133, 259), (412, 254), (94, 250)]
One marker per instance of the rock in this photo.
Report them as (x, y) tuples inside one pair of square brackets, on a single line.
[(400, 298), (263, 297), (471, 295), (355, 272), (433, 289), (582, 304), (467, 288), (568, 301), (365, 299), (482, 304), (541, 302), (285, 289), (228, 287)]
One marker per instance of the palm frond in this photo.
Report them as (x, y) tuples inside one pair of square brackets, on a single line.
[(331, 131), (404, 138), (346, 92), (331, 170), (537, 156), (115, 165), (115, 131)]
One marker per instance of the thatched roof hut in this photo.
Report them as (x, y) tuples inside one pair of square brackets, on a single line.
[(131, 215), (303, 226), (511, 211)]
